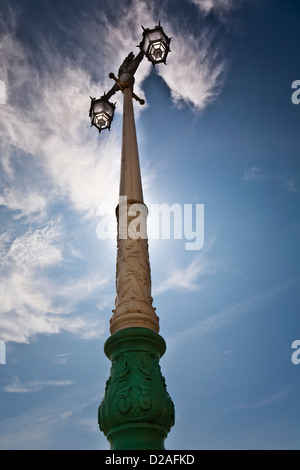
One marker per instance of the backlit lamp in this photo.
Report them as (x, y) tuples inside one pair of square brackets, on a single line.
[(101, 113), (155, 44)]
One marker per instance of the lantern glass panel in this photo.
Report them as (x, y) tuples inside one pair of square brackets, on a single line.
[(151, 36), (155, 44), (158, 51), (102, 120), (101, 113)]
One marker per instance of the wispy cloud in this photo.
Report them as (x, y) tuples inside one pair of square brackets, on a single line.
[(253, 174), (259, 404), (65, 354), (24, 203), (16, 386), (37, 248), (228, 314), (31, 302), (270, 400), (64, 159), (63, 358), (60, 157), (40, 427), (191, 277), (50, 157), (187, 279), (257, 174), (219, 5), (195, 75)]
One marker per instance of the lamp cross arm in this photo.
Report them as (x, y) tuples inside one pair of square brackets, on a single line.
[(129, 66), (121, 85)]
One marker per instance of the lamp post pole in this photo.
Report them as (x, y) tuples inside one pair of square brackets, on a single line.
[(136, 411)]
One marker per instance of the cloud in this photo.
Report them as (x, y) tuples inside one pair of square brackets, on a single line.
[(54, 150), (257, 174), (119, 36), (187, 279), (37, 248), (16, 386), (228, 314), (44, 424), (48, 155), (273, 399), (31, 307), (31, 302), (219, 5), (24, 203), (65, 354), (253, 173), (195, 75), (62, 359)]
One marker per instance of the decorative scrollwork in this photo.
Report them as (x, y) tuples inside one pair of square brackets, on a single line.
[(136, 392), (133, 303)]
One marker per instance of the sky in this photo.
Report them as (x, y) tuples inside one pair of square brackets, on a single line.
[(220, 128)]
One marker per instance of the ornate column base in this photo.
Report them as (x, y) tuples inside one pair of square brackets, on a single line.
[(136, 412)]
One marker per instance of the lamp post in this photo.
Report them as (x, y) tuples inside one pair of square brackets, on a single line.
[(136, 411)]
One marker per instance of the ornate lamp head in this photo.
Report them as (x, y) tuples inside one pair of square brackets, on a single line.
[(155, 44), (101, 113)]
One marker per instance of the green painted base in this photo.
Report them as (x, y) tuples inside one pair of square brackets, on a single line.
[(136, 412), (141, 436)]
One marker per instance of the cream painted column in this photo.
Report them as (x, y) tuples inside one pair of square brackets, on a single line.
[(130, 178), (133, 304)]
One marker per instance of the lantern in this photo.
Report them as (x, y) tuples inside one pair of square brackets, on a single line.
[(155, 44), (101, 113)]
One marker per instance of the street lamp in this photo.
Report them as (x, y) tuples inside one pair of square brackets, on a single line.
[(136, 412), (101, 113), (155, 44)]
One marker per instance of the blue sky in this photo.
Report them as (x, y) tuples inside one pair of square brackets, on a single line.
[(219, 128)]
